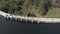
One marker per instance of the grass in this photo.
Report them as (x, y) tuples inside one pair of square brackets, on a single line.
[(52, 13)]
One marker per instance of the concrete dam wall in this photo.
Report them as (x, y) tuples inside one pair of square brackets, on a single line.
[(29, 19)]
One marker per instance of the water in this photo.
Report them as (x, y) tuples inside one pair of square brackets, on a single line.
[(14, 27)]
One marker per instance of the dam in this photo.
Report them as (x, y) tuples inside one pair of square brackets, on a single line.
[(29, 19)]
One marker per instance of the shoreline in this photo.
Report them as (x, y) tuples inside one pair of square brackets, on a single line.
[(32, 19)]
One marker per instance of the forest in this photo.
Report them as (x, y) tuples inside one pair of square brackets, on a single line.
[(33, 8)]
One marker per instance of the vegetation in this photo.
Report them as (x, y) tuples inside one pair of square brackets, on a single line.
[(41, 8)]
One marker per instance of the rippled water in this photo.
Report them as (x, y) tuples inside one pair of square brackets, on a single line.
[(14, 27)]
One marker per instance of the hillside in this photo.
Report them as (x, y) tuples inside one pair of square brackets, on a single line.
[(32, 8)]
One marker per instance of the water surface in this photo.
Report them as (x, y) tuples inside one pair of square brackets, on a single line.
[(14, 27)]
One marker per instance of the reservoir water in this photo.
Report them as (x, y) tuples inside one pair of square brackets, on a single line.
[(15, 27)]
